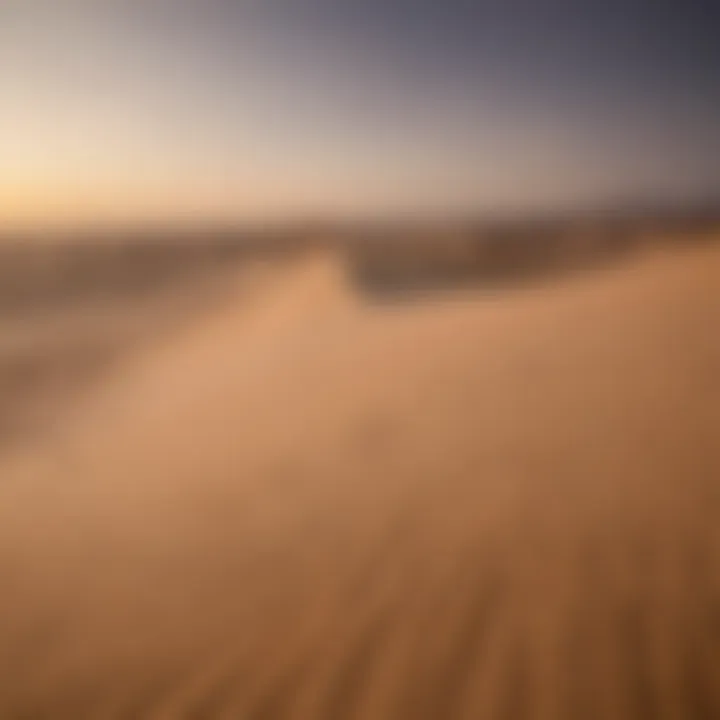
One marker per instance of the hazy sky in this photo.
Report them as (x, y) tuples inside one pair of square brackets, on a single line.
[(164, 109)]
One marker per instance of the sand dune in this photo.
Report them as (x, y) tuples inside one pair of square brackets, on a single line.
[(307, 507)]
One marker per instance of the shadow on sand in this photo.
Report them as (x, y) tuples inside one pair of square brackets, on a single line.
[(403, 268)]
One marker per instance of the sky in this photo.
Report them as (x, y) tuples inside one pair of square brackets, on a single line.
[(164, 110)]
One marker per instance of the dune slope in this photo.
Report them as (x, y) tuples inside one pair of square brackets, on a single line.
[(309, 507)]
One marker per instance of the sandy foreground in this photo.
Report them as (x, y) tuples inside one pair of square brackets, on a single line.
[(308, 506)]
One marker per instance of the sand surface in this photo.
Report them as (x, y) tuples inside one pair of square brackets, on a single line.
[(311, 507)]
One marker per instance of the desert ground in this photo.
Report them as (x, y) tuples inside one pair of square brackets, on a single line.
[(281, 497)]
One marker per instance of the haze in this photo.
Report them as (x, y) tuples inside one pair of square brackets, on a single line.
[(122, 111)]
